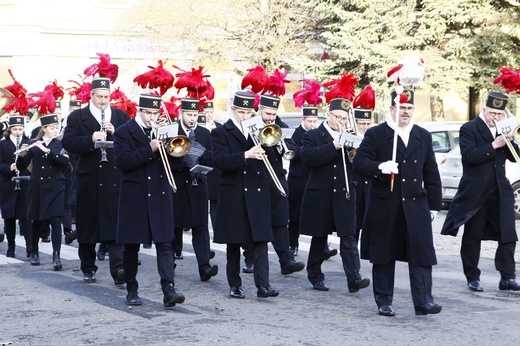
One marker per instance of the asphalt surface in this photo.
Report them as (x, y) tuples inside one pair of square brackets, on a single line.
[(39, 306)]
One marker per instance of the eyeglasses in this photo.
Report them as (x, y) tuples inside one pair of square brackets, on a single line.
[(339, 117), (496, 114), (404, 108), (147, 112)]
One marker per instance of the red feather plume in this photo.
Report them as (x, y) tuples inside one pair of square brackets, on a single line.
[(195, 82), (55, 90), (21, 102), (117, 94), (509, 80), (403, 98), (103, 68), (310, 94), (126, 105), (43, 101), (173, 107), (158, 77), (276, 84), (256, 78), (366, 99), (81, 91), (343, 87)]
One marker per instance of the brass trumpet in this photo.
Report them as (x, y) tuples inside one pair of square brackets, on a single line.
[(269, 136)]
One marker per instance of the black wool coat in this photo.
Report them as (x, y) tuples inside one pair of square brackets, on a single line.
[(12, 203), (483, 174), (97, 184), (145, 211), (46, 191), (190, 202), (244, 202), (417, 190), (325, 207)]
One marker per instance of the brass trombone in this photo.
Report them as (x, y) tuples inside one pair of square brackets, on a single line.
[(268, 136)]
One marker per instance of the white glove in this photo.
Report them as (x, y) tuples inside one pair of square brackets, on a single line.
[(389, 167), (433, 214)]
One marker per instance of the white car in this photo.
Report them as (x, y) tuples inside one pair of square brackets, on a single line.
[(445, 137), (451, 171)]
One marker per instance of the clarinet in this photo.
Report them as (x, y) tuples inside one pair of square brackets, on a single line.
[(103, 148), (17, 181)]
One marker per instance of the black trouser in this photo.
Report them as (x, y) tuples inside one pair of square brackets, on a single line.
[(164, 265), (472, 238), (315, 259), (294, 233), (383, 276), (280, 244), (177, 242), (87, 256), (10, 231), (55, 233), (350, 258), (200, 242), (66, 219), (261, 263)]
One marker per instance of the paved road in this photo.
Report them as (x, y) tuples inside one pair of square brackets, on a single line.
[(41, 307)]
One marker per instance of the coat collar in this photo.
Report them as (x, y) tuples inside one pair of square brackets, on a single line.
[(324, 134), (484, 129), (137, 132), (88, 119), (231, 127), (413, 142)]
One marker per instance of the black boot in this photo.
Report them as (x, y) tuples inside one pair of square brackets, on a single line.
[(35, 258), (56, 260)]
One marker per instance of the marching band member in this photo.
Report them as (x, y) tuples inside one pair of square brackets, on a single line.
[(13, 202), (484, 202), (46, 186), (97, 183), (243, 209), (397, 224), (298, 174), (145, 200), (268, 110), (326, 206), (190, 202)]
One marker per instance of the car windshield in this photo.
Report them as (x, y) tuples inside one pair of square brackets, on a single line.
[(441, 141)]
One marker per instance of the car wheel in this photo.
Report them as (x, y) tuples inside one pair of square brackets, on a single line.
[(516, 194)]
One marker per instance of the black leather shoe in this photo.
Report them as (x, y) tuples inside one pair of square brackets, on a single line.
[(266, 291), (320, 286), (386, 310), (292, 267), (133, 299), (178, 256), (70, 236), (171, 297), (119, 278), (330, 252), (510, 284), (475, 286), (89, 277), (248, 269), (56, 261), (428, 309), (208, 273), (35, 258), (358, 284), (237, 292), (46, 239), (211, 254), (28, 252)]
